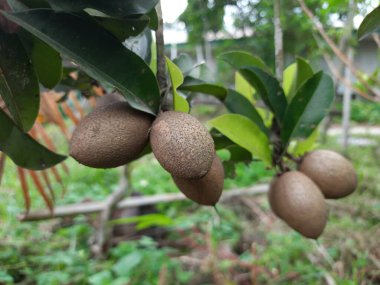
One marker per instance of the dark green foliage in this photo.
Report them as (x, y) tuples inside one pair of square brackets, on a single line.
[(237, 103), (97, 52), (115, 8), (22, 149), (370, 24), (18, 82)]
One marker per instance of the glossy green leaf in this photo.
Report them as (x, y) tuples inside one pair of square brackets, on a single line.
[(126, 27), (176, 78), (97, 52), (269, 90), (295, 76), (47, 63), (196, 85), (116, 8), (141, 45), (22, 149), (238, 104), (308, 107), (288, 77), (370, 24), (153, 19), (240, 59), (244, 133), (18, 82), (244, 88)]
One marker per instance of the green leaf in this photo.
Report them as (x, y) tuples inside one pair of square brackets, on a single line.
[(370, 24), (22, 149), (98, 53), (115, 8), (196, 85), (176, 78), (240, 59), (124, 266), (244, 88), (244, 133), (269, 90), (185, 63), (308, 107), (153, 19), (295, 75), (18, 82), (239, 154), (288, 79), (126, 27), (47, 63), (238, 104), (306, 145), (141, 45)]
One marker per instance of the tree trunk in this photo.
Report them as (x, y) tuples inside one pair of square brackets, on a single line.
[(278, 43)]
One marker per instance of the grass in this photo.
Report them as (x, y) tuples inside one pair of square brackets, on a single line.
[(246, 242)]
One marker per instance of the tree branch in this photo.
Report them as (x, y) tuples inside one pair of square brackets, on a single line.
[(278, 43), (342, 57), (94, 207), (160, 46)]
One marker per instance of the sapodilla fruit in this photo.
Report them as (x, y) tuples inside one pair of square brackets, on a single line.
[(296, 199), (182, 145), (109, 99), (110, 136), (333, 173), (207, 189)]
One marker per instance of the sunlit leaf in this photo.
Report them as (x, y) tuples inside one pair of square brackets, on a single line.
[(238, 104), (244, 133), (176, 78), (244, 88)]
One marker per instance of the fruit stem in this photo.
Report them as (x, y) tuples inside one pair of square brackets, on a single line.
[(293, 158), (160, 47)]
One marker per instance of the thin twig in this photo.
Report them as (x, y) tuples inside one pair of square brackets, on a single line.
[(343, 57), (94, 207), (160, 46)]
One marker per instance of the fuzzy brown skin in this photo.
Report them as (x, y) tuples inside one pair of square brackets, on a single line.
[(182, 145), (206, 190), (296, 199), (110, 136), (333, 173), (109, 99)]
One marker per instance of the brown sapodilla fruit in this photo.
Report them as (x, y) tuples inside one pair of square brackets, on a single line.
[(207, 189), (333, 173), (109, 99), (182, 145), (110, 136), (296, 199)]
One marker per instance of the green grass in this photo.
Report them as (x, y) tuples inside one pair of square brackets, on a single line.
[(43, 253)]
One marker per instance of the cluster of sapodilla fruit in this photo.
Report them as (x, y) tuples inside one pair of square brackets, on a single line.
[(298, 197), (116, 134)]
